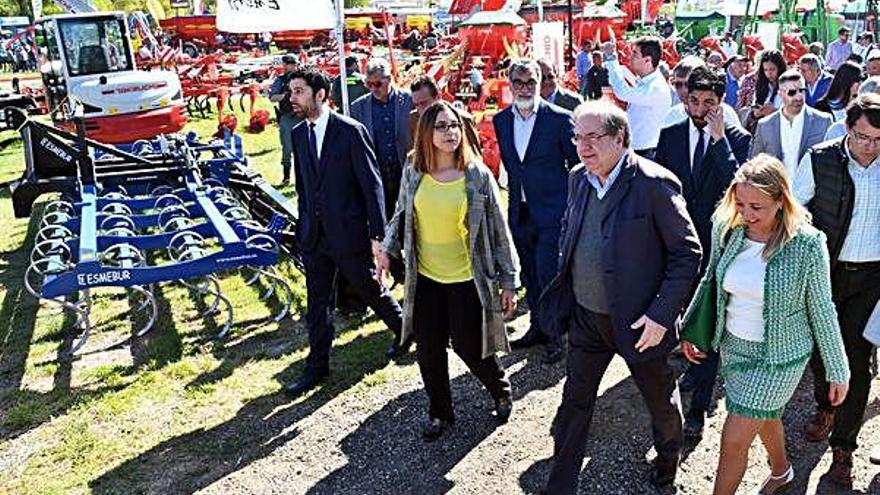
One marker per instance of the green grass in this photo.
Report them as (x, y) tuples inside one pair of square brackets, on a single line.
[(98, 422)]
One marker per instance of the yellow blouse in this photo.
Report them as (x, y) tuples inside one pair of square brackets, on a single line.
[(442, 231)]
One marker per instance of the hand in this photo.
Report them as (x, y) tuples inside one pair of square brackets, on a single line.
[(508, 302), (383, 266), (837, 393), (376, 247), (651, 335), (715, 123), (691, 353), (608, 49)]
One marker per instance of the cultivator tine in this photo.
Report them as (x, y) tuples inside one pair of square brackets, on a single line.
[(149, 300)]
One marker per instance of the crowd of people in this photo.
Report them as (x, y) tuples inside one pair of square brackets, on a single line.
[(750, 197)]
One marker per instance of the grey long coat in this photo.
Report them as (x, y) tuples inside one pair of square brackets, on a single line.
[(494, 263)]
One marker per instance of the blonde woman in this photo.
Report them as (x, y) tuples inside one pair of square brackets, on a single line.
[(770, 268), (461, 272)]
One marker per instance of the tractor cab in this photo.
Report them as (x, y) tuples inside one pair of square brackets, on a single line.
[(87, 59)]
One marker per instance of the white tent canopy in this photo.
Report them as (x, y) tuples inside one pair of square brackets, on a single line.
[(493, 17)]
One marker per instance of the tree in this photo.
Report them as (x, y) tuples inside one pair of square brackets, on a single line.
[(356, 3)]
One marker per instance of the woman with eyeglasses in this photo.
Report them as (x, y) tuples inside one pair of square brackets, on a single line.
[(769, 282), (461, 270), (844, 87)]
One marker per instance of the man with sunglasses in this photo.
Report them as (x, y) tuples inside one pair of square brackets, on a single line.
[(649, 98), (789, 132), (839, 182), (534, 138), (385, 113), (553, 92)]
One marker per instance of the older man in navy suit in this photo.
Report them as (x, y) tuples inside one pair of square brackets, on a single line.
[(704, 153), (534, 138), (629, 256), (341, 217)]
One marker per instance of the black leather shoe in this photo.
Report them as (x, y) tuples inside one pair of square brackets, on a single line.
[(664, 471), (530, 339), (304, 383), (397, 351), (434, 429), (503, 408), (693, 425), (552, 354)]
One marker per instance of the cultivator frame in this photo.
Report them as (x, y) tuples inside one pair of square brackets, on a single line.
[(167, 209)]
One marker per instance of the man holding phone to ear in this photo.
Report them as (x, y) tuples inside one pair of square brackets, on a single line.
[(705, 167)]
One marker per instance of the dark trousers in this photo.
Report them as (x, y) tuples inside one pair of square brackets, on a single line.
[(591, 347), (855, 295), (321, 273), (441, 312), (703, 376), (538, 250)]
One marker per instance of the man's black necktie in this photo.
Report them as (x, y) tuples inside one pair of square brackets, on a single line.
[(313, 144), (697, 162)]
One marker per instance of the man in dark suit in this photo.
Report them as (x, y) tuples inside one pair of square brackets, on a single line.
[(534, 138), (629, 256), (704, 153), (341, 216), (597, 78), (553, 92)]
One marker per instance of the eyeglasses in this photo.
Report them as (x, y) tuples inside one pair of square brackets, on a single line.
[(795, 91), (520, 84), (447, 126), (375, 84), (587, 138), (865, 139)]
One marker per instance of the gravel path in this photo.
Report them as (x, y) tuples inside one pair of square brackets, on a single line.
[(367, 441)]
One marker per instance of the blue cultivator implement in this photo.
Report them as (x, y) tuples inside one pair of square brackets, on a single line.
[(169, 209)]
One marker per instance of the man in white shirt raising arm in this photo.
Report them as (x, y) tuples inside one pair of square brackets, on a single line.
[(649, 98)]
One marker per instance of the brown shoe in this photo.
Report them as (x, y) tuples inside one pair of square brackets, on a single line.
[(841, 467), (819, 427)]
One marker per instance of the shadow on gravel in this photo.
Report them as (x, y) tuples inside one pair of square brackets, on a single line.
[(189, 462), (620, 438), (387, 452)]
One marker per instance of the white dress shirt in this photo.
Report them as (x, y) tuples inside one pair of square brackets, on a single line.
[(321, 128), (790, 132), (522, 130), (678, 113), (649, 101), (862, 244), (694, 137), (522, 134)]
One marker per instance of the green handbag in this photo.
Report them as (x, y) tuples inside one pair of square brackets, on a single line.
[(699, 328)]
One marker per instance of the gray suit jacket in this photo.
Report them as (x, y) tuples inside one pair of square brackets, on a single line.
[(362, 111), (768, 140)]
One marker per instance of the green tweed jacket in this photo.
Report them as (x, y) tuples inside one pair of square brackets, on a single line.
[(494, 262), (798, 310)]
